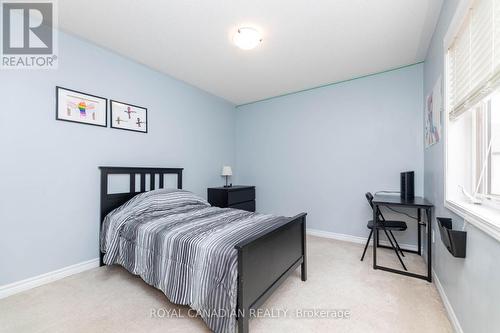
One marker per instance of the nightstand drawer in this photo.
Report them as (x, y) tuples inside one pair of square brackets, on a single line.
[(234, 197), (248, 206), (237, 196)]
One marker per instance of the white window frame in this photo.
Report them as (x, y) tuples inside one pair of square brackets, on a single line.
[(483, 217)]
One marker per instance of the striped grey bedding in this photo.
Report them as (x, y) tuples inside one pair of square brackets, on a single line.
[(181, 245)]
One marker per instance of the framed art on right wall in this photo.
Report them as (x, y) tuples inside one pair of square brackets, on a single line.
[(129, 117), (433, 107)]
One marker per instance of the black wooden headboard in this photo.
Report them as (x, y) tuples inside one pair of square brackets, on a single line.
[(110, 201), (113, 200)]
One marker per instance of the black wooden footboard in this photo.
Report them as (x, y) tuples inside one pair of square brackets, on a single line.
[(265, 261)]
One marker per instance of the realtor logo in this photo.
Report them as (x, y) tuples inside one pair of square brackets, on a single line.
[(28, 34)]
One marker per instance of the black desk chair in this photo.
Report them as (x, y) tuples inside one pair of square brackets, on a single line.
[(387, 227)]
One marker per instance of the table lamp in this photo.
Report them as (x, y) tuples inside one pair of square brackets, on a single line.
[(226, 172)]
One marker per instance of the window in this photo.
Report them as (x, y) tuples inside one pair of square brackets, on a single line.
[(487, 148), (494, 158), (473, 114)]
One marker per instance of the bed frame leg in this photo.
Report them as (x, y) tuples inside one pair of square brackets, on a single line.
[(303, 270), (243, 321)]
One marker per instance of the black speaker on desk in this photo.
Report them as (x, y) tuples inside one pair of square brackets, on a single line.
[(408, 185)]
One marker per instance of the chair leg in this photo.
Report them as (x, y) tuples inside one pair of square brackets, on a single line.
[(366, 246), (396, 242), (395, 250)]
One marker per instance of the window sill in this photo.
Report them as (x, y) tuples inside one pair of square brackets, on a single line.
[(483, 217)]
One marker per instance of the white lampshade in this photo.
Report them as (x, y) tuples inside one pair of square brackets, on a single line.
[(226, 171)]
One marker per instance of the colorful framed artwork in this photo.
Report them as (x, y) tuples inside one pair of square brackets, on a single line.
[(129, 117), (433, 106), (78, 107)]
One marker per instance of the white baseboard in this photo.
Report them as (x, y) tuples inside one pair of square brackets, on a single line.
[(447, 305), (353, 239), (19, 286)]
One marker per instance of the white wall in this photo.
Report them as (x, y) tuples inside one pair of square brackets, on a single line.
[(49, 201), (319, 151)]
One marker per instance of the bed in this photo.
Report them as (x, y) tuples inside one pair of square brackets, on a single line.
[(209, 258)]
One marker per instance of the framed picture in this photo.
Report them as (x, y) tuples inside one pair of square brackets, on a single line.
[(79, 107), (129, 117), (433, 106)]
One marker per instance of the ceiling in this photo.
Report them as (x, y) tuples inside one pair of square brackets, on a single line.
[(305, 43)]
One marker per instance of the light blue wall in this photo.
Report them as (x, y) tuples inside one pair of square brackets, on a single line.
[(319, 151), (316, 151), (471, 284), (49, 201)]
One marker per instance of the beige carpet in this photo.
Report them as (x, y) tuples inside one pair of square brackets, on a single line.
[(109, 299)]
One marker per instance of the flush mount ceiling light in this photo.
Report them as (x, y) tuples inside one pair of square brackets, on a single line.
[(247, 38)]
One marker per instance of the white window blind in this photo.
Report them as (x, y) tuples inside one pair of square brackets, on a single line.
[(473, 58)]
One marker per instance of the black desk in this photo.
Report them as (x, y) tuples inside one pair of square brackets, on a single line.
[(396, 201)]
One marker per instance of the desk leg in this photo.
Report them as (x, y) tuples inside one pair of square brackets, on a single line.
[(419, 229), (428, 212), (375, 236)]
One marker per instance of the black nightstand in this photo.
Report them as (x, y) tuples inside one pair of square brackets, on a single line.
[(238, 197)]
